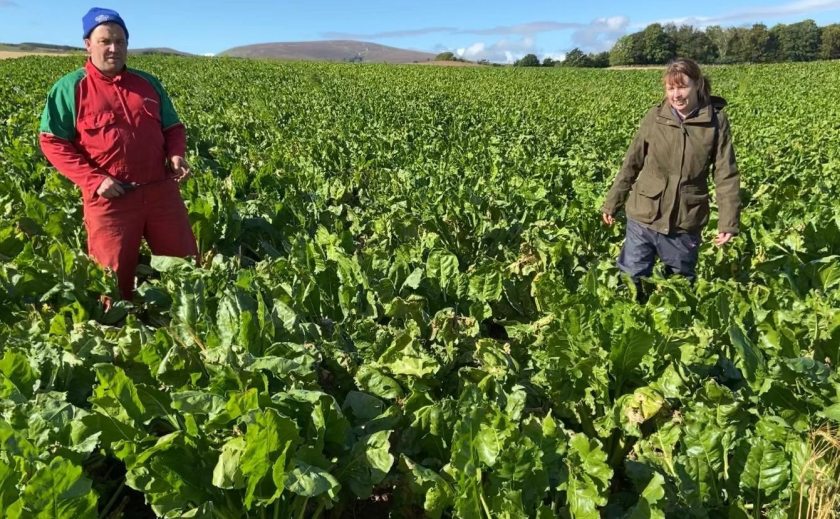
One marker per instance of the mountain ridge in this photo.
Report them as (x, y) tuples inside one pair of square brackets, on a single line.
[(329, 50), (318, 50)]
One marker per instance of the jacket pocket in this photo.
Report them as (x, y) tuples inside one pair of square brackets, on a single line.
[(96, 123), (646, 199), (99, 136), (151, 108), (694, 210)]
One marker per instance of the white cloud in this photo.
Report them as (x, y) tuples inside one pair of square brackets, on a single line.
[(598, 35), (502, 51), (556, 56), (474, 51), (601, 33), (523, 29), (756, 14), (388, 34), (615, 22)]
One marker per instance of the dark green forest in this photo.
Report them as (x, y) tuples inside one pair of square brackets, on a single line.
[(658, 44)]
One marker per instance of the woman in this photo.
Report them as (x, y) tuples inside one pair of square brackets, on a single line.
[(665, 173)]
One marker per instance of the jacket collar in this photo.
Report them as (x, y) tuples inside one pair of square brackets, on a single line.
[(665, 115), (91, 69), (702, 116)]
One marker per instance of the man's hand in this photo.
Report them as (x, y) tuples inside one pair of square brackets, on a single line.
[(110, 188), (180, 167), (607, 218), (723, 238)]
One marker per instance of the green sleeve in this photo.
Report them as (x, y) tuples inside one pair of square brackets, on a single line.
[(634, 160), (727, 179), (168, 115), (59, 115)]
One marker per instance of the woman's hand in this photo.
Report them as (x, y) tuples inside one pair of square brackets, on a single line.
[(723, 238), (607, 218)]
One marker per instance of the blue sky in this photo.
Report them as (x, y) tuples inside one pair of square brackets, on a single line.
[(498, 30)]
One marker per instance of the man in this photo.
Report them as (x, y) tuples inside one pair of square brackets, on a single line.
[(114, 133)]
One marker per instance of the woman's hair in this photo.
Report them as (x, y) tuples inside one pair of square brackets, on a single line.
[(684, 67)]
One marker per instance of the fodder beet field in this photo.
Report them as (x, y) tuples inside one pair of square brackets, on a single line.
[(406, 304)]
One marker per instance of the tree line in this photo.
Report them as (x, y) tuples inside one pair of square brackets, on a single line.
[(658, 44)]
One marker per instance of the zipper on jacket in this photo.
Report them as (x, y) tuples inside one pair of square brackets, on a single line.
[(674, 216), (119, 93), (125, 141)]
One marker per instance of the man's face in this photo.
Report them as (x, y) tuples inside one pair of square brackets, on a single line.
[(107, 47)]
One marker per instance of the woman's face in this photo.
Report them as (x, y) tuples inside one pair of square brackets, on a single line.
[(681, 92)]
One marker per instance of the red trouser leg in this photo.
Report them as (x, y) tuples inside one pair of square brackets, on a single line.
[(115, 228), (167, 227)]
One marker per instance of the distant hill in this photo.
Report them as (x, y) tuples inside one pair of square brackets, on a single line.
[(334, 50), (48, 48), (159, 50), (39, 47)]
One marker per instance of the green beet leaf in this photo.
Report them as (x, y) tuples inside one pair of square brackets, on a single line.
[(443, 267), (767, 471), (59, 490), (589, 477), (16, 374), (116, 396), (647, 507), (228, 470), (749, 358), (367, 464), (9, 479), (268, 437), (309, 480)]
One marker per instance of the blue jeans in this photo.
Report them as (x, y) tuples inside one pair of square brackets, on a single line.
[(678, 251)]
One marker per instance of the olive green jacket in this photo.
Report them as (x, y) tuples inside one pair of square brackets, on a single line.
[(666, 171)]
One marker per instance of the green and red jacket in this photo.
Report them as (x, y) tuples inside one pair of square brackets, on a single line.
[(94, 126)]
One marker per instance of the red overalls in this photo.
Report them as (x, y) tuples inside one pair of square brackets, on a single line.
[(125, 127)]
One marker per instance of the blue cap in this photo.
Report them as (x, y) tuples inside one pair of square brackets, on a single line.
[(99, 15)]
